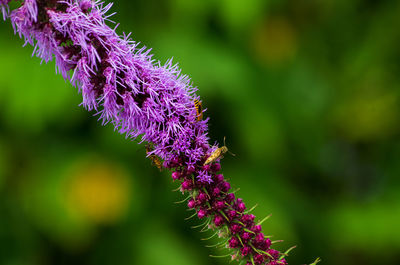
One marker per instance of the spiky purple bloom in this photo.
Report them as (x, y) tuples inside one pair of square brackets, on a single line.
[(141, 98)]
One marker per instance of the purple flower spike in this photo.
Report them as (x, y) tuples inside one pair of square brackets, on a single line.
[(141, 97)]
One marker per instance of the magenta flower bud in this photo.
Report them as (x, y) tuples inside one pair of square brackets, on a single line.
[(219, 205), (230, 197), (176, 175), (247, 219), (245, 251), (206, 167), (187, 185), (241, 207), (231, 214), (219, 178), (216, 167), (191, 204), (216, 192), (261, 242), (256, 229), (235, 228), (201, 213), (202, 197), (225, 186), (267, 243), (246, 237), (233, 242), (274, 253), (259, 238), (218, 220), (273, 262), (258, 259)]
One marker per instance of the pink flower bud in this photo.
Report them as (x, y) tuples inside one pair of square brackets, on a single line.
[(274, 253), (216, 191), (230, 197), (235, 228), (225, 186), (202, 197), (219, 205), (219, 178), (218, 220), (245, 251), (233, 242), (201, 214), (256, 229), (176, 175), (258, 259), (191, 203), (241, 207), (206, 167), (245, 237), (231, 214), (187, 185)]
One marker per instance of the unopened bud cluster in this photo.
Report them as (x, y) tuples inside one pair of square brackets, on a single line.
[(226, 213)]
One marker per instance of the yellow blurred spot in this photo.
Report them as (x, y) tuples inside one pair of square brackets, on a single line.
[(368, 116), (274, 41), (98, 191)]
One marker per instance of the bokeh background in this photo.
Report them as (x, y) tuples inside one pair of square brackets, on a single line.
[(306, 93)]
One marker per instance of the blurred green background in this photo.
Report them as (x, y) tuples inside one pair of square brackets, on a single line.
[(306, 93)]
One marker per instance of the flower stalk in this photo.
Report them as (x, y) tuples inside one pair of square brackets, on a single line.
[(143, 99)]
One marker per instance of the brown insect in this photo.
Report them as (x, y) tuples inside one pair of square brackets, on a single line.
[(218, 153), (199, 109), (154, 159)]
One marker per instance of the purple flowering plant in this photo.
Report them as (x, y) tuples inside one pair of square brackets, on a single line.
[(143, 99)]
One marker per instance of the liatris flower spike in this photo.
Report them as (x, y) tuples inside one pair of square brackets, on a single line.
[(143, 98)]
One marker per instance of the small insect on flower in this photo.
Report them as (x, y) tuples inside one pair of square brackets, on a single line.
[(218, 153), (199, 109), (154, 159)]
